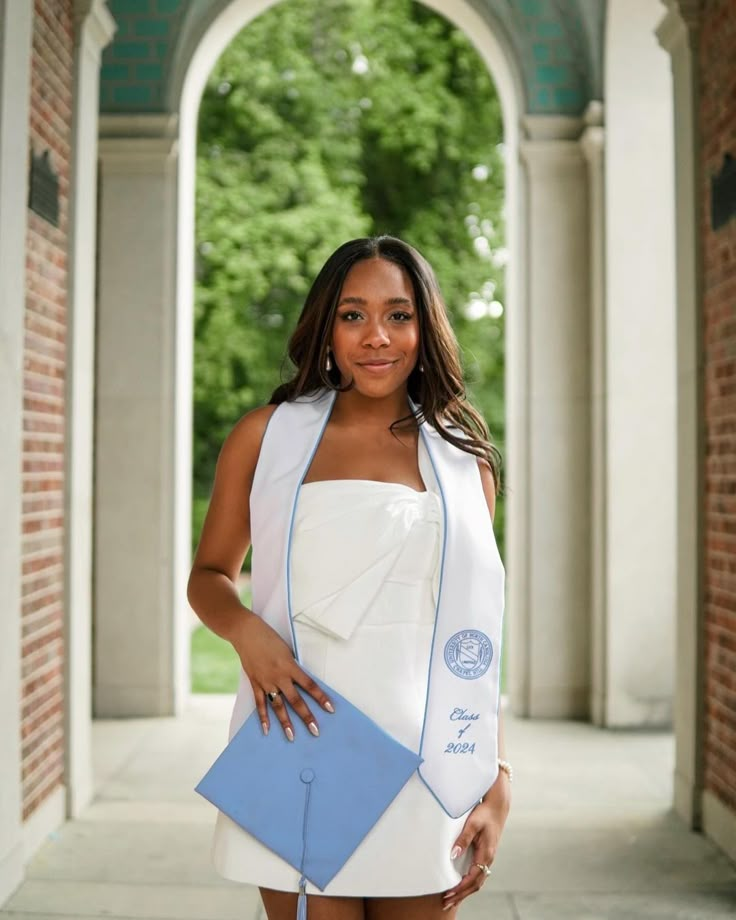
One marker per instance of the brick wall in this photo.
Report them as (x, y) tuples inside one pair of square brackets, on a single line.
[(42, 725), (718, 135)]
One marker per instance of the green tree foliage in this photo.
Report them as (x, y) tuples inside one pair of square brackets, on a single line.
[(322, 121)]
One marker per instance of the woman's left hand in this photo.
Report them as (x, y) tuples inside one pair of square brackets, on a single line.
[(482, 831)]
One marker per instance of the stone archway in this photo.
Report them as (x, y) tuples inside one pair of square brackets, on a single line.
[(144, 423), (146, 307)]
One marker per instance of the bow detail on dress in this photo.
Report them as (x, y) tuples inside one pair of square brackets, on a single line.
[(400, 533)]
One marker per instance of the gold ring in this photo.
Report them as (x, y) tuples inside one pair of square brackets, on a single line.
[(486, 869)]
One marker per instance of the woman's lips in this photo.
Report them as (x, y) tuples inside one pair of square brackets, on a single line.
[(377, 368)]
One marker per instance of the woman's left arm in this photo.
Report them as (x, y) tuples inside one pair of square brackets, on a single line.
[(484, 824)]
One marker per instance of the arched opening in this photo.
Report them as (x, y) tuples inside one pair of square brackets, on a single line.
[(146, 305), (217, 37)]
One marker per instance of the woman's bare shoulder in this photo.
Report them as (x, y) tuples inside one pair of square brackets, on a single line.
[(243, 444), (225, 533), (253, 422)]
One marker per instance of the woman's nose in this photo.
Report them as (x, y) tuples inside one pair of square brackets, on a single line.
[(376, 333)]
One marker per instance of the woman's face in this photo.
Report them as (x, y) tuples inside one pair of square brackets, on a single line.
[(376, 321)]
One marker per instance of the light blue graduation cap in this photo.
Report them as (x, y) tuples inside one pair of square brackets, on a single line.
[(311, 800)]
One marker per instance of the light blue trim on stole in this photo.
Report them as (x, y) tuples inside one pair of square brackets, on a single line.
[(436, 609), (426, 441), (330, 406)]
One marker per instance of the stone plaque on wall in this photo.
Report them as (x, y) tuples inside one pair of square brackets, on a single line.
[(43, 188), (723, 193)]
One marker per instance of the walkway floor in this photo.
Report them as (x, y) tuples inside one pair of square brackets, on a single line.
[(590, 835)]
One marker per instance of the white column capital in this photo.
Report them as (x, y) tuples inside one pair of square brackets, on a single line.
[(689, 10), (155, 125), (138, 143), (550, 127), (94, 22), (550, 143), (680, 25), (593, 138), (549, 157)]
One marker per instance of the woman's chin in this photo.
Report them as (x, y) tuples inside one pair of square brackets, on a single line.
[(375, 388)]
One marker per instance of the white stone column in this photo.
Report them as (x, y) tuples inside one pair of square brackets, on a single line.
[(677, 33), (16, 29), (592, 144), (94, 28), (549, 500), (140, 574), (635, 584)]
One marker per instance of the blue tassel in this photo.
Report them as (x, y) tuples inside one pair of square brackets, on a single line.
[(307, 777), (301, 901)]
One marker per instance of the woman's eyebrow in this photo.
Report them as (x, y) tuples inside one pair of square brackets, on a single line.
[(389, 300)]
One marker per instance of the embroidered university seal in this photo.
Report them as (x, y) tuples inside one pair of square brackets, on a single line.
[(468, 654)]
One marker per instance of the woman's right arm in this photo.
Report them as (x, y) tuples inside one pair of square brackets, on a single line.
[(212, 587), (225, 536)]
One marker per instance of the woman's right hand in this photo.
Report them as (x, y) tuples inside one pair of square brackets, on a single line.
[(269, 664)]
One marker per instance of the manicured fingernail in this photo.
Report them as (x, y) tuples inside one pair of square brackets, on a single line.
[(456, 851), (289, 733), (329, 707), (448, 906), (264, 725), (313, 728)]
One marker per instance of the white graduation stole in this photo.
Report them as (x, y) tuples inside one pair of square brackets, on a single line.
[(459, 740)]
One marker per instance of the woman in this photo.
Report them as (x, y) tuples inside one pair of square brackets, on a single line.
[(366, 556)]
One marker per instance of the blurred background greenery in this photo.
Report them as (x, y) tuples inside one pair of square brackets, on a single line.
[(322, 121)]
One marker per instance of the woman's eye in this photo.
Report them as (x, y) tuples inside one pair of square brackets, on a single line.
[(405, 316)]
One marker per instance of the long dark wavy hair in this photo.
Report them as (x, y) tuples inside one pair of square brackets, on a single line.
[(438, 391)]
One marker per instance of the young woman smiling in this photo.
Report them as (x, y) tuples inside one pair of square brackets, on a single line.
[(375, 536)]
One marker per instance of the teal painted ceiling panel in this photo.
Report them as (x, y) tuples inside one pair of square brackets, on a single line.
[(135, 66), (557, 47)]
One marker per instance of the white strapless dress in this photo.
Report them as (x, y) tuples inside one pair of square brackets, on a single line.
[(364, 578)]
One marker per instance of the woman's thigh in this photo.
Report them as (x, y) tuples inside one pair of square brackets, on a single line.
[(424, 907), (281, 905)]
